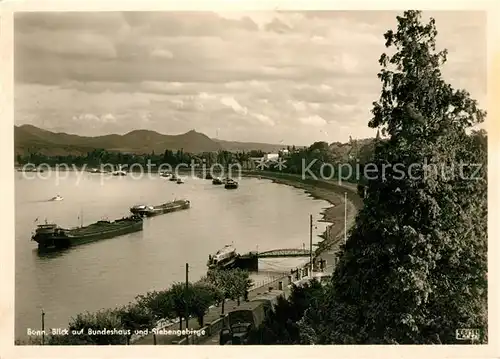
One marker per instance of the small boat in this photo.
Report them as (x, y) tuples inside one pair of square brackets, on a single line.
[(151, 211), (231, 184), (30, 170), (208, 176), (179, 181), (56, 198), (50, 236), (222, 257), (173, 178), (165, 174), (217, 181), (119, 173), (95, 170)]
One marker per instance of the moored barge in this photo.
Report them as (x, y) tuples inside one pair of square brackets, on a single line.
[(223, 258), (50, 236), (151, 211)]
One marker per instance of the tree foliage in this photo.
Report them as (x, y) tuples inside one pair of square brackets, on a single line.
[(280, 326), (414, 267), (232, 283), (141, 314), (135, 317), (102, 320), (180, 297), (159, 303), (319, 154), (204, 295)]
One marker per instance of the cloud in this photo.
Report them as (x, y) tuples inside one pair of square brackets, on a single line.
[(232, 103), (90, 117), (162, 54), (264, 119), (241, 72), (314, 120)]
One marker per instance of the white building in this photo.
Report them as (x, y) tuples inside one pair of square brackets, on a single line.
[(271, 156)]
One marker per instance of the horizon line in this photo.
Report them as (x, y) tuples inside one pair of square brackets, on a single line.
[(184, 133)]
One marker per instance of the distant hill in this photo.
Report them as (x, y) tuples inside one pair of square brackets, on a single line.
[(29, 138)]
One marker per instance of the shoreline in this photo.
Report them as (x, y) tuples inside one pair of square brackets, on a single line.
[(333, 215), (327, 191)]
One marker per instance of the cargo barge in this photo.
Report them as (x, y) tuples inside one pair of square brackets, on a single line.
[(151, 211), (50, 236)]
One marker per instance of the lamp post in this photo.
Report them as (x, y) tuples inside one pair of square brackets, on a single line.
[(345, 217), (311, 242)]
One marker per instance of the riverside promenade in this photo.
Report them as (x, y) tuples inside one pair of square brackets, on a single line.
[(331, 191), (212, 314)]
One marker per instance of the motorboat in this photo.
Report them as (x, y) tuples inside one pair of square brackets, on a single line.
[(217, 181), (56, 198), (230, 184), (222, 256)]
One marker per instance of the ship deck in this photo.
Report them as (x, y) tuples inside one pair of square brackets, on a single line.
[(98, 227), (170, 205)]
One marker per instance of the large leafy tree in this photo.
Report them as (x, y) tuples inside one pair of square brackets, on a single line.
[(203, 296), (233, 284), (181, 295), (159, 303), (414, 267), (193, 298), (135, 316), (79, 326)]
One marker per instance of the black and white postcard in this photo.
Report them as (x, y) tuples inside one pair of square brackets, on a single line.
[(247, 175)]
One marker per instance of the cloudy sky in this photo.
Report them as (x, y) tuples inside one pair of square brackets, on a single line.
[(296, 77)]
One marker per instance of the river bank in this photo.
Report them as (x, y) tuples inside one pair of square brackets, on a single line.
[(199, 214), (330, 191), (327, 249), (213, 314), (332, 237)]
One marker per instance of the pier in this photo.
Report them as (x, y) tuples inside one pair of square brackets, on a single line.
[(250, 261)]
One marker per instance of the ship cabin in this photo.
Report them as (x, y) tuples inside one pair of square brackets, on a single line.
[(48, 228)]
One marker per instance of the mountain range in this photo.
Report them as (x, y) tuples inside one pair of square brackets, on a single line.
[(29, 138)]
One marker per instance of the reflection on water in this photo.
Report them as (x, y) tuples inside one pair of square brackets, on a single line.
[(259, 214)]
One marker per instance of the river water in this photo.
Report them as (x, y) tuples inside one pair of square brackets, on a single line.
[(259, 215)]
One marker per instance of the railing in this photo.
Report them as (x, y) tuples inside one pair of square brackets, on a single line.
[(216, 326), (262, 283), (290, 252)]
